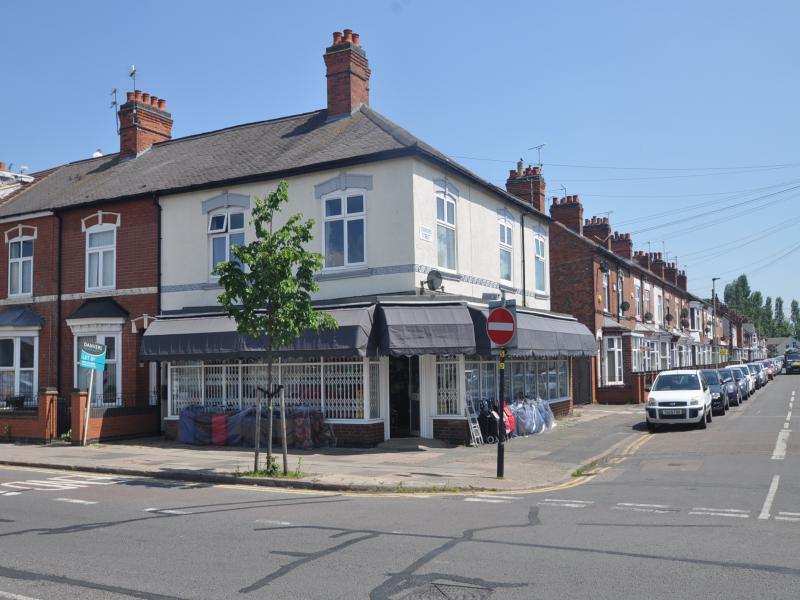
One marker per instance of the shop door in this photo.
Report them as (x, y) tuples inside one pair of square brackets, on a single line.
[(403, 396)]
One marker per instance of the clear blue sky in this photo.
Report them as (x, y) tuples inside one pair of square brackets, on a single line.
[(679, 97)]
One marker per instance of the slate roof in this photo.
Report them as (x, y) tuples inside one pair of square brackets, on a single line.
[(20, 316), (263, 150), (99, 308)]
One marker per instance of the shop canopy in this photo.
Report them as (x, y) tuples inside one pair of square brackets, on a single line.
[(414, 328), (539, 335), (216, 338)]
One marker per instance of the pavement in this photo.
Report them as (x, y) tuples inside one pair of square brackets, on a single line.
[(593, 433)]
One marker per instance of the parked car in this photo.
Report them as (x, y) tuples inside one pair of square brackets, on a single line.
[(792, 362), (754, 373), (751, 378), (719, 399), (742, 381), (730, 387), (679, 396), (760, 373)]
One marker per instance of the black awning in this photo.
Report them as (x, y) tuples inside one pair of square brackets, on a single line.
[(216, 338), (99, 308), (20, 316), (539, 335), (414, 329)]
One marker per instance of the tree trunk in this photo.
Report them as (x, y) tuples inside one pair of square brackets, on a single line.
[(283, 436), (269, 421)]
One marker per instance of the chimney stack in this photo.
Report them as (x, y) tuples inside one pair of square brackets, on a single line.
[(568, 211), (143, 121), (671, 273), (622, 245), (527, 184), (2, 166), (598, 230), (347, 73), (657, 264), (682, 280), (642, 259)]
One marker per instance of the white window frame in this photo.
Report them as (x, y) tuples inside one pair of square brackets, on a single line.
[(99, 337), (620, 286), (16, 336), (505, 244), (345, 217), (646, 301), (225, 232), (449, 199), (637, 298), (618, 378), (101, 228), (659, 309), (20, 239), (636, 354), (606, 293), (540, 262)]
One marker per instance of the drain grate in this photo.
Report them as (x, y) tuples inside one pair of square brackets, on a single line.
[(447, 591)]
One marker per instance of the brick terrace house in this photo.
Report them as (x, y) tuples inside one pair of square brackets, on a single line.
[(414, 245), (635, 303)]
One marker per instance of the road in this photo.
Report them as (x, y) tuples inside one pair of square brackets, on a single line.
[(678, 514)]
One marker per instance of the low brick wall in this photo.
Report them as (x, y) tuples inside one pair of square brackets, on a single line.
[(35, 426), (615, 395), (562, 408), (453, 431), (113, 423), (358, 435)]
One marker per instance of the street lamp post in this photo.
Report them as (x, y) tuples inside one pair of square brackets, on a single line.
[(714, 321)]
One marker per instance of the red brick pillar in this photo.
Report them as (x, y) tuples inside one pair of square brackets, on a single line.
[(48, 414), (78, 402)]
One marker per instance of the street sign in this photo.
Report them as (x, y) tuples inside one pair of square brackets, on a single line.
[(501, 326), (92, 356)]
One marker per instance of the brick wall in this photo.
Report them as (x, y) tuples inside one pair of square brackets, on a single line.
[(111, 424), (453, 431), (562, 409), (358, 435), (571, 276), (35, 427)]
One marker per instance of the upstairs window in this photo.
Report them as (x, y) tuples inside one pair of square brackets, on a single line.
[(345, 230), (541, 265), (225, 230), (101, 257), (695, 319), (619, 294), (637, 299), (20, 266), (606, 293), (446, 230), (646, 300), (506, 248)]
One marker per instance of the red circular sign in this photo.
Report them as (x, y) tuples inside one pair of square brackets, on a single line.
[(500, 326)]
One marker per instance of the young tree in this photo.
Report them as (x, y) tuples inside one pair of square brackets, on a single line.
[(268, 286), (794, 315)]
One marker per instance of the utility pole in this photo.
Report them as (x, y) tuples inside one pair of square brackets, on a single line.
[(714, 321)]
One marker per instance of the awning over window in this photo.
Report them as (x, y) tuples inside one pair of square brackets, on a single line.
[(539, 335), (20, 316), (216, 338), (415, 329)]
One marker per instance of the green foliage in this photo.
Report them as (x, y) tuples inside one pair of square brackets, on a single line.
[(271, 295), (768, 320)]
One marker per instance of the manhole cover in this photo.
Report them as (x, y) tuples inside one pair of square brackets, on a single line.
[(446, 591)]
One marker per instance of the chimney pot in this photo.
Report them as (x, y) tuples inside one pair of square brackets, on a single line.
[(137, 95), (2, 166), (347, 74), (154, 101), (356, 39), (146, 98), (348, 35), (337, 37), (162, 104), (129, 96), (520, 166)]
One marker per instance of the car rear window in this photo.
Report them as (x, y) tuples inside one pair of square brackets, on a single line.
[(737, 374), (676, 382), (711, 377), (793, 357), (725, 375)]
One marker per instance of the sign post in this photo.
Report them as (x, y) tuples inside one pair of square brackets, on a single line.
[(501, 327), (92, 357)]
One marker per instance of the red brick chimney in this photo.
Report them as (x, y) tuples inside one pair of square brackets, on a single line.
[(671, 273), (2, 166), (527, 184), (642, 259), (348, 74), (568, 211), (657, 264), (143, 121), (622, 245), (682, 280), (599, 230)]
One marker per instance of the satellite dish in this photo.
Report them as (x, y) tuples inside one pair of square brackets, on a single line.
[(434, 280)]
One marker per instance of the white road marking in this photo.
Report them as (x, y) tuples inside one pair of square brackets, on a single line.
[(718, 514), (11, 596), (10, 493), (563, 500), (773, 488), (643, 505), (786, 426), (496, 497), (166, 511), (271, 522), (489, 500), (789, 416), (789, 514), (793, 519), (563, 504), (779, 453), (730, 510), (74, 500), (639, 509)]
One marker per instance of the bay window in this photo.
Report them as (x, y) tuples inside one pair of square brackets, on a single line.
[(108, 384), (18, 368), (613, 360)]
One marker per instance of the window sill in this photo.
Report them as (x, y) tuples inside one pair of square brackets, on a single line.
[(449, 417), (19, 296), (101, 290), (540, 295), (507, 286), (332, 274)]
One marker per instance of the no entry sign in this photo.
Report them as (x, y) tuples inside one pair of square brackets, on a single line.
[(501, 326)]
